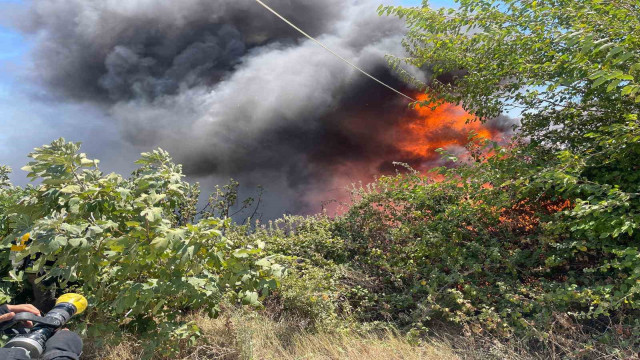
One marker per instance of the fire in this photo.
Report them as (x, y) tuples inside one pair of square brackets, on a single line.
[(427, 130), (409, 136), (524, 216)]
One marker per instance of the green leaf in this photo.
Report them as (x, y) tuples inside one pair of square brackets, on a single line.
[(615, 51), (613, 85), (605, 47), (250, 298), (158, 306), (60, 241), (160, 243), (70, 189), (599, 82), (242, 253), (87, 162), (152, 214), (623, 58), (78, 242), (94, 230), (625, 77), (265, 263), (597, 74), (187, 254)]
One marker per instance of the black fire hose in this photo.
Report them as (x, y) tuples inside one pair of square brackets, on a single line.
[(33, 343)]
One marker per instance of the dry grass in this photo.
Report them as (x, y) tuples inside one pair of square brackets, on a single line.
[(245, 337), (250, 336)]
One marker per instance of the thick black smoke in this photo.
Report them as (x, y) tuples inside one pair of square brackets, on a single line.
[(143, 49), (226, 87)]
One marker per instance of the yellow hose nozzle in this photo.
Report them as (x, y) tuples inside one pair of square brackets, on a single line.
[(77, 300)]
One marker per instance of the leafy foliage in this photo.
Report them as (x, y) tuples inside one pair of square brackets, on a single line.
[(133, 245), (312, 291), (569, 67), (9, 195), (541, 230)]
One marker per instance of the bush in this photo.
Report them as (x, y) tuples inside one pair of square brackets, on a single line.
[(311, 293), (502, 244), (133, 246), (482, 250), (541, 237)]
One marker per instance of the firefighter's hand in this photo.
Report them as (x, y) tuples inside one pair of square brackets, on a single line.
[(15, 309), (7, 317), (24, 308)]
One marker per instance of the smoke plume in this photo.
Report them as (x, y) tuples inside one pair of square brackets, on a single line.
[(229, 89)]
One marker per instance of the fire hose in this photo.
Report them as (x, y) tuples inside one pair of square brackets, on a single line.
[(33, 343)]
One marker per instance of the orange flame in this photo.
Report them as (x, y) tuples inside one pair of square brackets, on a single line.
[(431, 129), (413, 138)]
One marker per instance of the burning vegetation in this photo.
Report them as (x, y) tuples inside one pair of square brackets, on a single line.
[(412, 137)]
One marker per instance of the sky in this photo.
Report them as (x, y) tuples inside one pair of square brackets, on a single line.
[(29, 117)]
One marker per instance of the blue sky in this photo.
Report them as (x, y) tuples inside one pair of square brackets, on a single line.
[(29, 119), (26, 123), (434, 3)]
